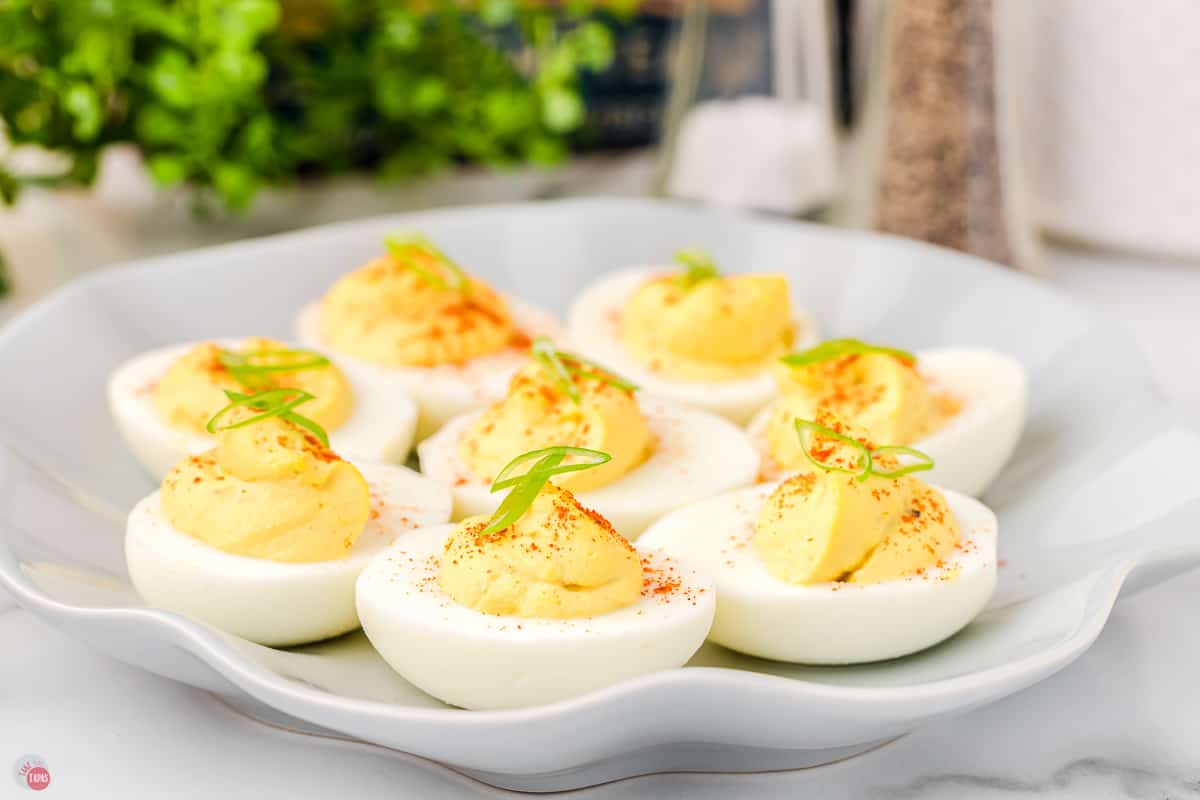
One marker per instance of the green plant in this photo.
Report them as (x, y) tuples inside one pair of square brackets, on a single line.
[(230, 95)]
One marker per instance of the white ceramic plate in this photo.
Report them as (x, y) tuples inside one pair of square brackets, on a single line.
[(1102, 485)]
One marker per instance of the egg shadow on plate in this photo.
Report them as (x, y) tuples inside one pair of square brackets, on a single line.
[(345, 666)]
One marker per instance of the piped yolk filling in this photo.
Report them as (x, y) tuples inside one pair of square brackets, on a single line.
[(717, 330), (824, 525), (193, 387), (882, 395), (558, 561), (536, 413), (388, 313), (269, 490)]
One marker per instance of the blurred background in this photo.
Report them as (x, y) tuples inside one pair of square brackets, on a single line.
[(134, 127)]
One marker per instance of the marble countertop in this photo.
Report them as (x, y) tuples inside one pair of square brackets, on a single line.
[(1117, 723)]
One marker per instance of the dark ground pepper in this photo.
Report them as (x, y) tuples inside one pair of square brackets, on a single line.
[(940, 178)]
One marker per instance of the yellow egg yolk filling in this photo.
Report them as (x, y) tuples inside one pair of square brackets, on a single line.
[(268, 490), (388, 313), (823, 525), (716, 330), (536, 413), (193, 387), (883, 395), (558, 561)]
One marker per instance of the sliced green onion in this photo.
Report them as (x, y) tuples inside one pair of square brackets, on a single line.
[(403, 245), (507, 478), (271, 403), (590, 369), (698, 267), (926, 462), (866, 457), (526, 486), (563, 367), (804, 426), (309, 425), (253, 369), (834, 348), (513, 507), (547, 355)]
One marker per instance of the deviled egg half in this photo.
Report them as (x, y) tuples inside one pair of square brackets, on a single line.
[(690, 335), (263, 535), (541, 602), (853, 560), (964, 407), (163, 399), (663, 456), (414, 316)]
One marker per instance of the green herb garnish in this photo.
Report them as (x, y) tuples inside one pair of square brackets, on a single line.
[(866, 458), (564, 367), (834, 348), (403, 246), (698, 267), (253, 369), (926, 462), (230, 97), (526, 486), (804, 426), (271, 403)]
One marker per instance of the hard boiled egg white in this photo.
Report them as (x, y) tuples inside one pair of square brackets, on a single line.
[(833, 623), (380, 428), (594, 321), (446, 390), (272, 602), (971, 448), (480, 661), (696, 455)]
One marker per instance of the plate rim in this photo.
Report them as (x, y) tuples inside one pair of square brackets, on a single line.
[(209, 641)]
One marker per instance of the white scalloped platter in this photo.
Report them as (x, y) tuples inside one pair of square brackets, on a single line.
[(1102, 492)]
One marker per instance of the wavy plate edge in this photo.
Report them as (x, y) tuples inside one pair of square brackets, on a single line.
[(769, 698)]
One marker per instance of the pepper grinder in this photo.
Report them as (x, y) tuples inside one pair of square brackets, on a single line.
[(949, 171)]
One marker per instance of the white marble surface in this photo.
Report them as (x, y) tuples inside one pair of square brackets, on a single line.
[(1118, 723)]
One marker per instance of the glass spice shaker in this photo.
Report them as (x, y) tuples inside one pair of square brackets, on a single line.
[(748, 123), (949, 170)]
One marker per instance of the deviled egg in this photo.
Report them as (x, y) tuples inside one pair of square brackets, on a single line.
[(542, 602), (263, 535), (163, 399), (965, 407), (853, 560), (690, 335), (414, 316), (663, 456)]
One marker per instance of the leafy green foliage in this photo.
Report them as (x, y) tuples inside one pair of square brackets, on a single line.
[(231, 95)]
